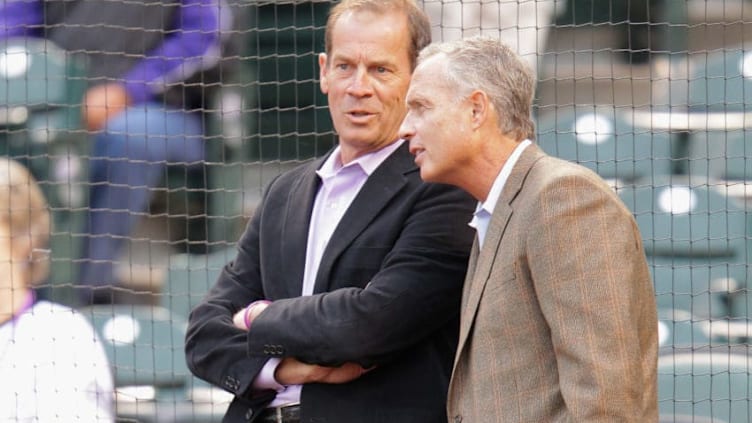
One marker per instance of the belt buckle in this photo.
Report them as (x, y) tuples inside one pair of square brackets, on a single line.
[(278, 415)]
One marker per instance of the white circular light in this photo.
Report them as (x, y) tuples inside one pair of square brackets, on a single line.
[(745, 65), (14, 61), (593, 128), (137, 393), (121, 330), (677, 200), (67, 168), (663, 332)]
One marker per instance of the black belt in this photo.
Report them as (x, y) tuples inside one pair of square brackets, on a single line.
[(286, 414)]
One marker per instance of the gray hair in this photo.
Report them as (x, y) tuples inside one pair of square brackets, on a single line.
[(488, 65)]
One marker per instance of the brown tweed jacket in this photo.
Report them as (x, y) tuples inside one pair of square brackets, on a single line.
[(558, 320)]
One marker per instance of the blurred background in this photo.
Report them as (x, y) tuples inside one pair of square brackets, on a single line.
[(651, 94)]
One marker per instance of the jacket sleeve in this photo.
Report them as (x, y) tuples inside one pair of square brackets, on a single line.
[(215, 349), (592, 283), (415, 292), (20, 18), (194, 44)]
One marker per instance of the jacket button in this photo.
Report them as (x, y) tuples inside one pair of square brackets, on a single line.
[(249, 414)]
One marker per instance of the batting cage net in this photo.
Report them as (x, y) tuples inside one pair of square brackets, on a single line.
[(154, 126)]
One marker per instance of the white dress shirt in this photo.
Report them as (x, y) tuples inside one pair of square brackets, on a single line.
[(484, 211)]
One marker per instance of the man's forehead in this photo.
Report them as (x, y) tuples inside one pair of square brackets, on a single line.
[(392, 46), (428, 70), (421, 87)]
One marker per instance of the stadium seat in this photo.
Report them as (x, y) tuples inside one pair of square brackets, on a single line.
[(604, 140), (152, 382), (720, 85), (718, 95), (721, 155), (714, 94), (290, 119), (40, 126), (696, 242), (679, 329), (705, 385), (40, 93), (271, 114), (720, 81), (189, 278)]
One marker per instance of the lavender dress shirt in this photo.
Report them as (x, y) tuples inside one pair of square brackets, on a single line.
[(339, 186)]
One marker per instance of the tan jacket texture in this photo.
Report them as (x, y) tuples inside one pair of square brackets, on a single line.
[(558, 319)]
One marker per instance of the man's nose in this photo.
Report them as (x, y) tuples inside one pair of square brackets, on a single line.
[(406, 129), (361, 84)]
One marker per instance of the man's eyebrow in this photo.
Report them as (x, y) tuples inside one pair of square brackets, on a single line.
[(416, 99), (382, 62)]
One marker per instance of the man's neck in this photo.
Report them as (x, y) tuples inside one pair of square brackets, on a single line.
[(348, 152)]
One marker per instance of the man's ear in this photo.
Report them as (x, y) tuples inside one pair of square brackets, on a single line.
[(480, 106), (323, 81)]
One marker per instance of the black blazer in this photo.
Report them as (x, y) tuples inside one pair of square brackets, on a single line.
[(387, 293)]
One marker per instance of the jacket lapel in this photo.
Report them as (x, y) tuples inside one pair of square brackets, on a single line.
[(382, 185), (294, 235), (479, 271)]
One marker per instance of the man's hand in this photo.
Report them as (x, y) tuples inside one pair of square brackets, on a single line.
[(243, 318), (103, 102), (293, 372)]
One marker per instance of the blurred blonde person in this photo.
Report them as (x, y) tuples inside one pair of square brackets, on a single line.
[(52, 365)]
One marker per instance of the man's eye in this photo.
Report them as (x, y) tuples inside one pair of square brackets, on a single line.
[(342, 66), (417, 108), (381, 69)]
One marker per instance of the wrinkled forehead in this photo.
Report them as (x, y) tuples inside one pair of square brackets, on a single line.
[(378, 36)]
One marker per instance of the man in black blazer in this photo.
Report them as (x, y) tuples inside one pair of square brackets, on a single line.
[(345, 313)]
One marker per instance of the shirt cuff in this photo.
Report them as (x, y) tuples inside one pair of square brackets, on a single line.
[(247, 310), (265, 380)]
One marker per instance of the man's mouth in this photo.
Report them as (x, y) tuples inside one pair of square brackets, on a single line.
[(418, 153)]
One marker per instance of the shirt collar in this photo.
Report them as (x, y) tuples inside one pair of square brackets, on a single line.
[(493, 196), (367, 162)]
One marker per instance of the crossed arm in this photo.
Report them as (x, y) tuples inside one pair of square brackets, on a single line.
[(414, 292), (292, 371)]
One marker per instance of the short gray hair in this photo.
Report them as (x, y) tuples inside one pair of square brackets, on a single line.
[(487, 64)]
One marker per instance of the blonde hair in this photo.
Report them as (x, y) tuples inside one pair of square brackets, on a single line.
[(24, 211)]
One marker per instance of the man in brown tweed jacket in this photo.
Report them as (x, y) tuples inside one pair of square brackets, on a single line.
[(558, 320)]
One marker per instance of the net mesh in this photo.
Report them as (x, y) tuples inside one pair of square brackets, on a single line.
[(650, 94)]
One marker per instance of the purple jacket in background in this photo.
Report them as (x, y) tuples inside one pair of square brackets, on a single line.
[(192, 44)]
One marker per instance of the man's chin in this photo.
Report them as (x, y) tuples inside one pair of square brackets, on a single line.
[(356, 137), (426, 175)]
